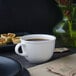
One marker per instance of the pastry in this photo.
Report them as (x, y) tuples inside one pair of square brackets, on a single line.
[(11, 35), (3, 41), (8, 36), (16, 40)]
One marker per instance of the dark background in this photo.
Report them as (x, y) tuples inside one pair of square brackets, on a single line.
[(33, 16)]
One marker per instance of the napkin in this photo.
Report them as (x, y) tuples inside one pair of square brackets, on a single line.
[(64, 67)]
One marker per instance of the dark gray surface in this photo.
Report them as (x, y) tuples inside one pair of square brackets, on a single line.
[(20, 59), (26, 64)]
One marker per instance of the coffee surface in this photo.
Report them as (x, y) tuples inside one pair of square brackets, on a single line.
[(37, 39)]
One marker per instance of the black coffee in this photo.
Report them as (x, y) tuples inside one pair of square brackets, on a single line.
[(36, 39)]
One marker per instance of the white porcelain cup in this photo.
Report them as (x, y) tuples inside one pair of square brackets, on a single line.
[(37, 50)]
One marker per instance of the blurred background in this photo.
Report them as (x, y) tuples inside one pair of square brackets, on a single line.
[(33, 16)]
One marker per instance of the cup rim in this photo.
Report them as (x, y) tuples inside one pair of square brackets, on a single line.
[(50, 37)]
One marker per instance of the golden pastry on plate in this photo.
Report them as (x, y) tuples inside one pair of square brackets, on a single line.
[(8, 36), (16, 40), (11, 35), (3, 41)]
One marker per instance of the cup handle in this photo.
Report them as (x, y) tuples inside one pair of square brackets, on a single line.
[(17, 50)]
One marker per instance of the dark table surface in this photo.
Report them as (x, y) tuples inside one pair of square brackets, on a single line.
[(26, 64), (8, 51)]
